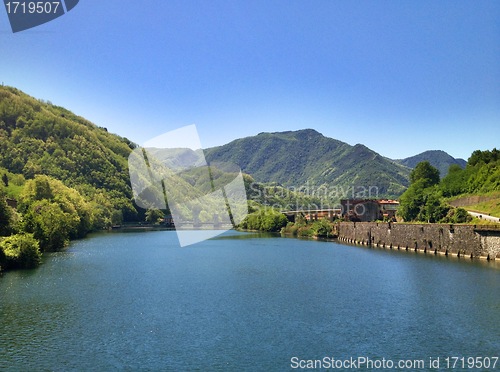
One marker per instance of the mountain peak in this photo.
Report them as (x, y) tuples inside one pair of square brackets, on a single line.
[(301, 132), (437, 158), (297, 158)]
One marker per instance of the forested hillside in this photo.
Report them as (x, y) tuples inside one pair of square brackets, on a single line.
[(68, 175), (296, 158), (427, 197), (37, 137)]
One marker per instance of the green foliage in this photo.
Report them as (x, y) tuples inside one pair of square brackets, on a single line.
[(14, 184), (305, 231), (39, 138), (412, 201), (280, 197), (265, 219), (484, 157), (54, 213), (423, 201), (153, 216), (457, 215), (437, 158), (433, 208), (6, 215), (77, 172), (19, 251), (455, 183), (320, 228), (305, 157), (481, 176), (50, 224), (484, 178), (425, 173), (116, 217), (290, 228)]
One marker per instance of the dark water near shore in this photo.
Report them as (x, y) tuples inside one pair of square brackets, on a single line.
[(241, 302)]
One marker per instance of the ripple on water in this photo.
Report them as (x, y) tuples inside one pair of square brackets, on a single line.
[(241, 301)]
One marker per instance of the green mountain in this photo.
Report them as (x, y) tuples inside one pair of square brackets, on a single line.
[(476, 187), (39, 138), (70, 176), (437, 158), (306, 159)]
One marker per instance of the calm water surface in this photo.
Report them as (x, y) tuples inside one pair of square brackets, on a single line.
[(241, 302)]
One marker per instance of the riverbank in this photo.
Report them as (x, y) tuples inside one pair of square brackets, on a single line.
[(240, 301), (481, 242), (460, 240)]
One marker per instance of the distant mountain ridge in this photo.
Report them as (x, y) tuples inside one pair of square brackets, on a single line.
[(297, 158), (40, 138), (306, 157), (437, 158)]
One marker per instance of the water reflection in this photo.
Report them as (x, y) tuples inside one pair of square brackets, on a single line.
[(139, 301)]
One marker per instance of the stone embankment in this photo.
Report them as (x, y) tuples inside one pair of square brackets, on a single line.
[(458, 240), (471, 200)]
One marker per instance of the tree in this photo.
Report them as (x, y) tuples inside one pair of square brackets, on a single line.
[(323, 228), (455, 182), (116, 217), (273, 221), (54, 213), (421, 200), (484, 157), (50, 224), (5, 217), (20, 251), (454, 168), (42, 188), (5, 179), (433, 209), (154, 215), (411, 201), (425, 171), (461, 216), (264, 220)]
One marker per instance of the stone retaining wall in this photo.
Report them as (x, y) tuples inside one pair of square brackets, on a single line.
[(471, 200), (459, 240)]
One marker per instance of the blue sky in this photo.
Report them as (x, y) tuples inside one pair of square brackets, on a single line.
[(399, 76)]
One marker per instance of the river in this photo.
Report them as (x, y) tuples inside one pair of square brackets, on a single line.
[(243, 301)]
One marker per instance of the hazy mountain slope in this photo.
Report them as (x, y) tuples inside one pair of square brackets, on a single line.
[(439, 159), (295, 158)]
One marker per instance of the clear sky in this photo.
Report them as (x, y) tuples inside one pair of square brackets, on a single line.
[(399, 76)]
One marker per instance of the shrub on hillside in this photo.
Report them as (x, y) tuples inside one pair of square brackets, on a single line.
[(20, 251), (264, 220), (457, 215)]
